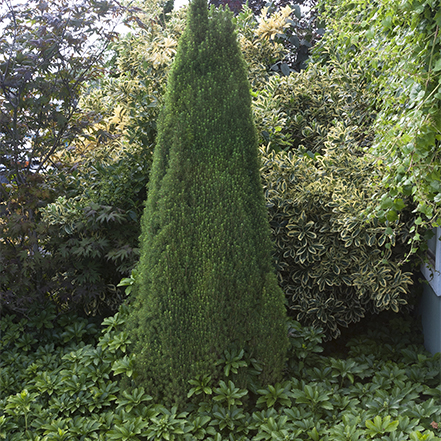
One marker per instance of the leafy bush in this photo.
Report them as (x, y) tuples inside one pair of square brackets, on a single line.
[(59, 380), (127, 101), (95, 245), (94, 232), (72, 233), (333, 264), (297, 112), (397, 48), (205, 276)]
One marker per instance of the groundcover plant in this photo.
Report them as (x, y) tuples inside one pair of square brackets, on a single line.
[(60, 380)]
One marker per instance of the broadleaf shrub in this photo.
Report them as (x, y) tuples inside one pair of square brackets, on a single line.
[(94, 226), (397, 49), (72, 233), (297, 112), (333, 264), (95, 246)]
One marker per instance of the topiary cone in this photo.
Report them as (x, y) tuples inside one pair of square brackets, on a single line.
[(206, 278)]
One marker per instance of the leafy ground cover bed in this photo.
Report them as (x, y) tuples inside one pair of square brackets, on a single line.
[(60, 379)]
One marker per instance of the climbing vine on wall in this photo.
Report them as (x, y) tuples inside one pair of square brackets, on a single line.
[(397, 44)]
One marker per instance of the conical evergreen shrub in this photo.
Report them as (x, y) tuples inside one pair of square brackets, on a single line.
[(206, 278)]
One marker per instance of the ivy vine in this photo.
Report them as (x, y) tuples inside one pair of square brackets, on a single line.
[(397, 45)]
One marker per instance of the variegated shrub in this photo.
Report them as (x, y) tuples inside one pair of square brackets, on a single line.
[(333, 264)]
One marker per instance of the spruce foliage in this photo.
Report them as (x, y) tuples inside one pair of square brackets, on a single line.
[(206, 279)]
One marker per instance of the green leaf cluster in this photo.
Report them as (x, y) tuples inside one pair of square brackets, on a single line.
[(297, 112), (94, 246), (127, 101), (72, 234)]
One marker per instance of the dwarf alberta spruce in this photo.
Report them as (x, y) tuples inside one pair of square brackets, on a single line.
[(206, 282)]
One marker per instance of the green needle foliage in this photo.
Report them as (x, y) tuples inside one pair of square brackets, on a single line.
[(206, 280)]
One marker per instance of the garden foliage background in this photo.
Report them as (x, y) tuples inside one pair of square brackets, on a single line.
[(72, 231), (350, 166)]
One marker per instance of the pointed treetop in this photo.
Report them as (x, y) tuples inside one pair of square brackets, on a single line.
[(197, 19)]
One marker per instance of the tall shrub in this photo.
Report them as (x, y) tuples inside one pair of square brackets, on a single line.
[(206, 280)]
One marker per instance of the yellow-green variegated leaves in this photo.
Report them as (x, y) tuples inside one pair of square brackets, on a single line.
[(333, 264)]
